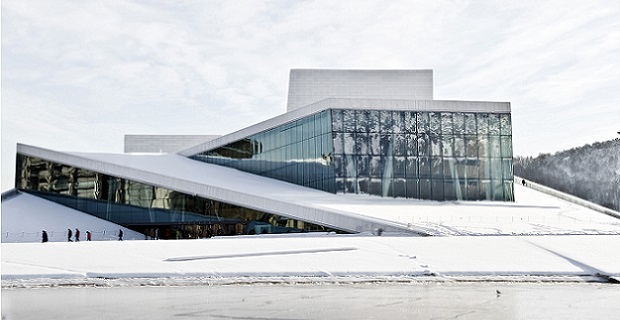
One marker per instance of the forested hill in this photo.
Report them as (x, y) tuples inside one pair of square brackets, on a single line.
[(591, 172)]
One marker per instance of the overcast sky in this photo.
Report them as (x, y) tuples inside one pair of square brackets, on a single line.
[(79, 75)]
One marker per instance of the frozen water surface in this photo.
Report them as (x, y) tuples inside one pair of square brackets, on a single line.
[(422, 300)]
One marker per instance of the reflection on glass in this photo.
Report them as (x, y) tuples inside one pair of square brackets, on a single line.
[(426, 155)]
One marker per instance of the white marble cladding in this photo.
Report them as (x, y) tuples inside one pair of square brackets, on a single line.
[(137, 143), (367, 104), (307, 86)]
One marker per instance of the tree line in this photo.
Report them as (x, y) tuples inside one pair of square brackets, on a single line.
[(590, 172)]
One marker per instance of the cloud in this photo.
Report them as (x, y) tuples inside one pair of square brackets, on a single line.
[(211, 67)]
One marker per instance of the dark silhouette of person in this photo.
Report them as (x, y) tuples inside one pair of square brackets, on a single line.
[(77, 234), (69, 234), (120, 234), (44, 236), (87, 235), (523, 182)]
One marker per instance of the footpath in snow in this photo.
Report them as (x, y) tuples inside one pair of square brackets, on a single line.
[(317, 257)]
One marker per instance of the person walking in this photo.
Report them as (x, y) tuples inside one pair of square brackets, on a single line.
[(120, 234), (69, 234), (87, 235), (44, 236), (77, 234)]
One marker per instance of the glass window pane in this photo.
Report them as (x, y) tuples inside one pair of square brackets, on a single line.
[(423, 145), (446, 123), (505, 124), (506, 142), (386, 122), (399, 166), (435, 123), (410, 122), (361, 146), (337, 120), (423, 122), (437, 168), (470, 123), (362, 121), (425, 167), (375, 143), (348, 118), (374, 121), (495, 146), (411, 170), (494, 124), (349, 143), (458, 123), (338, 143), (399, 121), (447, 145), (483, 123), (400, 145), (459, 146)]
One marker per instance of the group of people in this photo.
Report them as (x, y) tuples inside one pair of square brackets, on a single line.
[(70, 234)]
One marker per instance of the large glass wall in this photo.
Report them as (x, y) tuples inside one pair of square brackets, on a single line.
[(299, 152), (423, 155), (138, 205)]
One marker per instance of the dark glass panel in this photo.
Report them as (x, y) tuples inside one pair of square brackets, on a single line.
[(375, 143), (483, 123), (437, 190), (411, 169), (348, 120), (494, 144), (505, 125), (448, 146), (374, 121), (362, 124), (362, 166), (361, 141), (386, 123), (410, 122), (424, 144), (399, 188), (423, 122), (435, 123), (386, 146), (471, 146), (506, 142), (494, 125), (400, 163), (437, 168), (425, 167), (424, 189), (458, 123), (399, 121), (374, 166), (349, 143), (459, 146), (400, 145), (446, 123), (470, 123)]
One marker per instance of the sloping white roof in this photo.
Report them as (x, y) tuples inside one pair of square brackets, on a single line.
[(532, 213), (222, 184), (362, 104)]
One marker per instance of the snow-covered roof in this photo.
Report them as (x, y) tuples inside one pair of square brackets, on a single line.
[(362, 104), (24, 216), (533, 212)]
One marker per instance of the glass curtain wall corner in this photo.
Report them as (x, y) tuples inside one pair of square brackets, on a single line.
[(421, 155)]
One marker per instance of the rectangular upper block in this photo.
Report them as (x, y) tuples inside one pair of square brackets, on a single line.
[(307, 86)]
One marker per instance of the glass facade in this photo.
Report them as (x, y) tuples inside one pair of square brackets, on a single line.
[(138, 205), (299, 152), (421, 155)]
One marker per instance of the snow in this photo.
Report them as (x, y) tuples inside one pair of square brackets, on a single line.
[(322, 256), (25, 215)]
